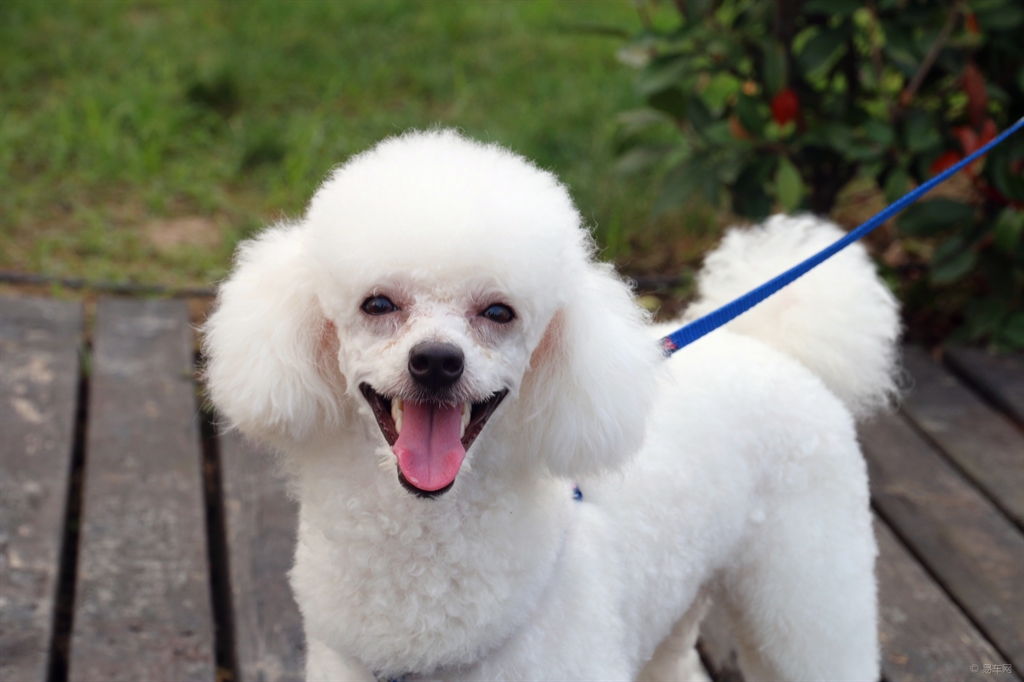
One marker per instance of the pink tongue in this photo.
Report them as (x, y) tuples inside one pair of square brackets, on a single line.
[(429, 449)]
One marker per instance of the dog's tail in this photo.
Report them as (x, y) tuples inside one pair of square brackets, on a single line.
[(840, 320)]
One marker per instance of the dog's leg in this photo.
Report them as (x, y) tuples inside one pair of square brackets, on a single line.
[(676, 659), (803, 596), (324, 664)]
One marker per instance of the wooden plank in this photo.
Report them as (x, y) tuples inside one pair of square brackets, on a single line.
[(39, 345), (999, 377), (142, 608), (973, 550), (261, 523), (983, 443), (924, 636)]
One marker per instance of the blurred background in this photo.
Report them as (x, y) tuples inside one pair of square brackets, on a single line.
[(141, 141)]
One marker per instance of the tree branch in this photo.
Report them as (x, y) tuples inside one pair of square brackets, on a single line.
[(929, 59)]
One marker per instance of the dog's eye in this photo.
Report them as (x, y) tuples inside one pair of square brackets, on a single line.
[(499, 313), (378, 305)]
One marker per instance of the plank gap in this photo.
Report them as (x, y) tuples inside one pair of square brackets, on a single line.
[(936, 578), (981, 388), (64, 609), (216, 535), (1004, 511)]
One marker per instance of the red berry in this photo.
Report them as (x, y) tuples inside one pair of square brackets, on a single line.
[(785, 107)]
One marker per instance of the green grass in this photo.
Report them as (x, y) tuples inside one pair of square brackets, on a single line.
[(116, 116)]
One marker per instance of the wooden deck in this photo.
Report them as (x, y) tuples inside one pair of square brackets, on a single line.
[(136, 544)]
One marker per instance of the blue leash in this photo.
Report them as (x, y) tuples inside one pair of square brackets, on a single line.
[(715, 319)]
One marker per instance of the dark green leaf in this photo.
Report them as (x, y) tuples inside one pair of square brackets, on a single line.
[(955, 268), (949, 250), (837, 8), (710, 188), (822, 50), (934, 216), (1008, 229), (997, 168), (693, 10), (872, 169), (996, 93), (699, 116), (920, 132), (749, 115), (724, 49), (754, 204), (839, 137), (749, 198), (1004, 18), (775, 68), (672, 101), (728, 167), (760, 171), (863, 150), (880, 132), (1012, 333), (663, 74), (902, 59), (896, 184), (639, 120), (719, 134), (640, 127), (640, 159)]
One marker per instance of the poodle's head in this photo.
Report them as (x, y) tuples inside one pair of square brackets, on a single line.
[(443, 293)]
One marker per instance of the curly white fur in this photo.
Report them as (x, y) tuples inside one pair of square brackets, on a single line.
[(731, 469), (840, 320)]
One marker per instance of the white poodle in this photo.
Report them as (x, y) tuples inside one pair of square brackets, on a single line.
[(501, 477)]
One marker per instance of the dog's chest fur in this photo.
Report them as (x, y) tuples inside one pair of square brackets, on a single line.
[(414, 587)]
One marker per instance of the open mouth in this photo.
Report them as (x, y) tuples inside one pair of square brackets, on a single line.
[(430, 440)]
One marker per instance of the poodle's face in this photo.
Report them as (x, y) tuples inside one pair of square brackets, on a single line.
[(433, 359)]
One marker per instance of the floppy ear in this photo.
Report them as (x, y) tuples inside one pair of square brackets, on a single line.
[(268, 346), (592, 377)]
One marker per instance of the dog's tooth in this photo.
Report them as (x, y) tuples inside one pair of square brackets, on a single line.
[(467, 410), (396, 414)]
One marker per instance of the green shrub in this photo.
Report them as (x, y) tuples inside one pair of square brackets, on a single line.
[(780, 105)]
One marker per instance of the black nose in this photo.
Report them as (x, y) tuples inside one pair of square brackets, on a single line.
[(436, 365)]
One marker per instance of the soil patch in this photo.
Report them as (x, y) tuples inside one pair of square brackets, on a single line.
[(170, 233)]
